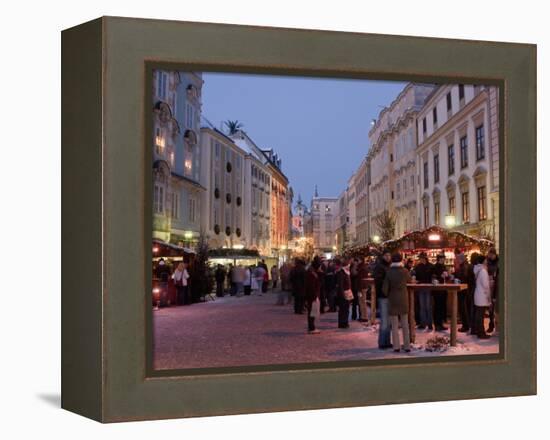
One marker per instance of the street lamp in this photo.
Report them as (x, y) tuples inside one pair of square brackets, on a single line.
[(376, 238), (450, 220)]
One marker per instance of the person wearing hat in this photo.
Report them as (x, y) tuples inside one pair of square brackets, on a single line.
[(395, 289), (439, 296), (423, 274)]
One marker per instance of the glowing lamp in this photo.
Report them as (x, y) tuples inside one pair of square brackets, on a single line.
[(188, 235), (434, 237), (450, 220), (376, 238)]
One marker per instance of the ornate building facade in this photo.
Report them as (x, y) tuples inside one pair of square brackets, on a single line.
[(177, 190), (457, 156), (393, 162)]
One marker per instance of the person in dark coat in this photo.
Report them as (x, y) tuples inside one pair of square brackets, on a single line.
[(423, 275), (354, 275), (298, 280), (464, 296), (439, 296), (163, 274), (471, 281), (395, 289), (379, 274), (312, 294), (492, 268), (330, 286), (220, 279), (344, 294), (323, 292)]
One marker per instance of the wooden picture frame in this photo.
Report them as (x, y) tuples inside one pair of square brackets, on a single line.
[(106, 206)]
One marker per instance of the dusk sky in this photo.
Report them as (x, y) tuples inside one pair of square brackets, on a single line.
[(319, 127)]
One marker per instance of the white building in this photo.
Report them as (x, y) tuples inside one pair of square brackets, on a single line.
[(457, 156), (324, 218), (223, 174), (257, 194), (392, 160)]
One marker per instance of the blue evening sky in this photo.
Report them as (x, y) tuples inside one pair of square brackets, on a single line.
[(318, 126)]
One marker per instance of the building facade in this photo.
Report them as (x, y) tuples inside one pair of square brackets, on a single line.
[(393, 162), (457, 156), (177, 190), (224, 177), (324, 219), (362, 218)]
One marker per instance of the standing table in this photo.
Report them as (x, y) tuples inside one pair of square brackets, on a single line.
[(452, 293)]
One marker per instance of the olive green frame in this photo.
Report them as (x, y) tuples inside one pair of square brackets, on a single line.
[(106, 219)]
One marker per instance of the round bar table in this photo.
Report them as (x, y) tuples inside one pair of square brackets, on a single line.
[(452, 292)]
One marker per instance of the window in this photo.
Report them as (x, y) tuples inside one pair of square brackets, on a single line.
[(451, 158), (158, 199), (159, 141), (174, 208), (452, 205), (480, 143), (188, 160), (449, 102), (461, 92), (192, 209), (436, 212), (404, 187), (398, 188), (190, 116), (482, 203), (426, 216), (465, 207), (412, 183), (463, 151), (436, 168), (426, 174), (434, 113), (162, 79), (424, 126)]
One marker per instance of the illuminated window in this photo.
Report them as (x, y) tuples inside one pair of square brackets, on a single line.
[(159, 141), (482, 202), (158, 199), (465, 207), (463, 152), (480, 143)]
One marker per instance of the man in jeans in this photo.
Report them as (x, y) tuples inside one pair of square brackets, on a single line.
[(423, 274), (384, 334)]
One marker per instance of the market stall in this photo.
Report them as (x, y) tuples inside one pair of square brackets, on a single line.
[(437, 241), (362, 251), (164, 290)]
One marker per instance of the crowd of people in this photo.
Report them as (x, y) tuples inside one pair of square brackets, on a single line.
[(245, 280), (341, 285)]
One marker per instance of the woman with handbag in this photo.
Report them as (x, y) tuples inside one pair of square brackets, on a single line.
[(344, 294)]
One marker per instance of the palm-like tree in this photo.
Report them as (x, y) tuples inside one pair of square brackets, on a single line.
[(233, 126)]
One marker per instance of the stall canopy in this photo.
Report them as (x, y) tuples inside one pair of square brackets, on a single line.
[(230, 253), (362, 251), (436, 237), (163, 249)]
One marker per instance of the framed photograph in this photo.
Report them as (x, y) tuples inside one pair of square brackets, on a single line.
[(264, 219)]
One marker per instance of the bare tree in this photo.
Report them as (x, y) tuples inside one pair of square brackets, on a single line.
[(385, 223)]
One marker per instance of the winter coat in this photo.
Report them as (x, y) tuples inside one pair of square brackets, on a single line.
[(482, 294), (492, 268), (180, 277), (379, 274), (343, 282), (298, 280), (312, 286), (395, 289), (423, 273)]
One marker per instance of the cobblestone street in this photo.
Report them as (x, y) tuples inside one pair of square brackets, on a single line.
[(252, 330)]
